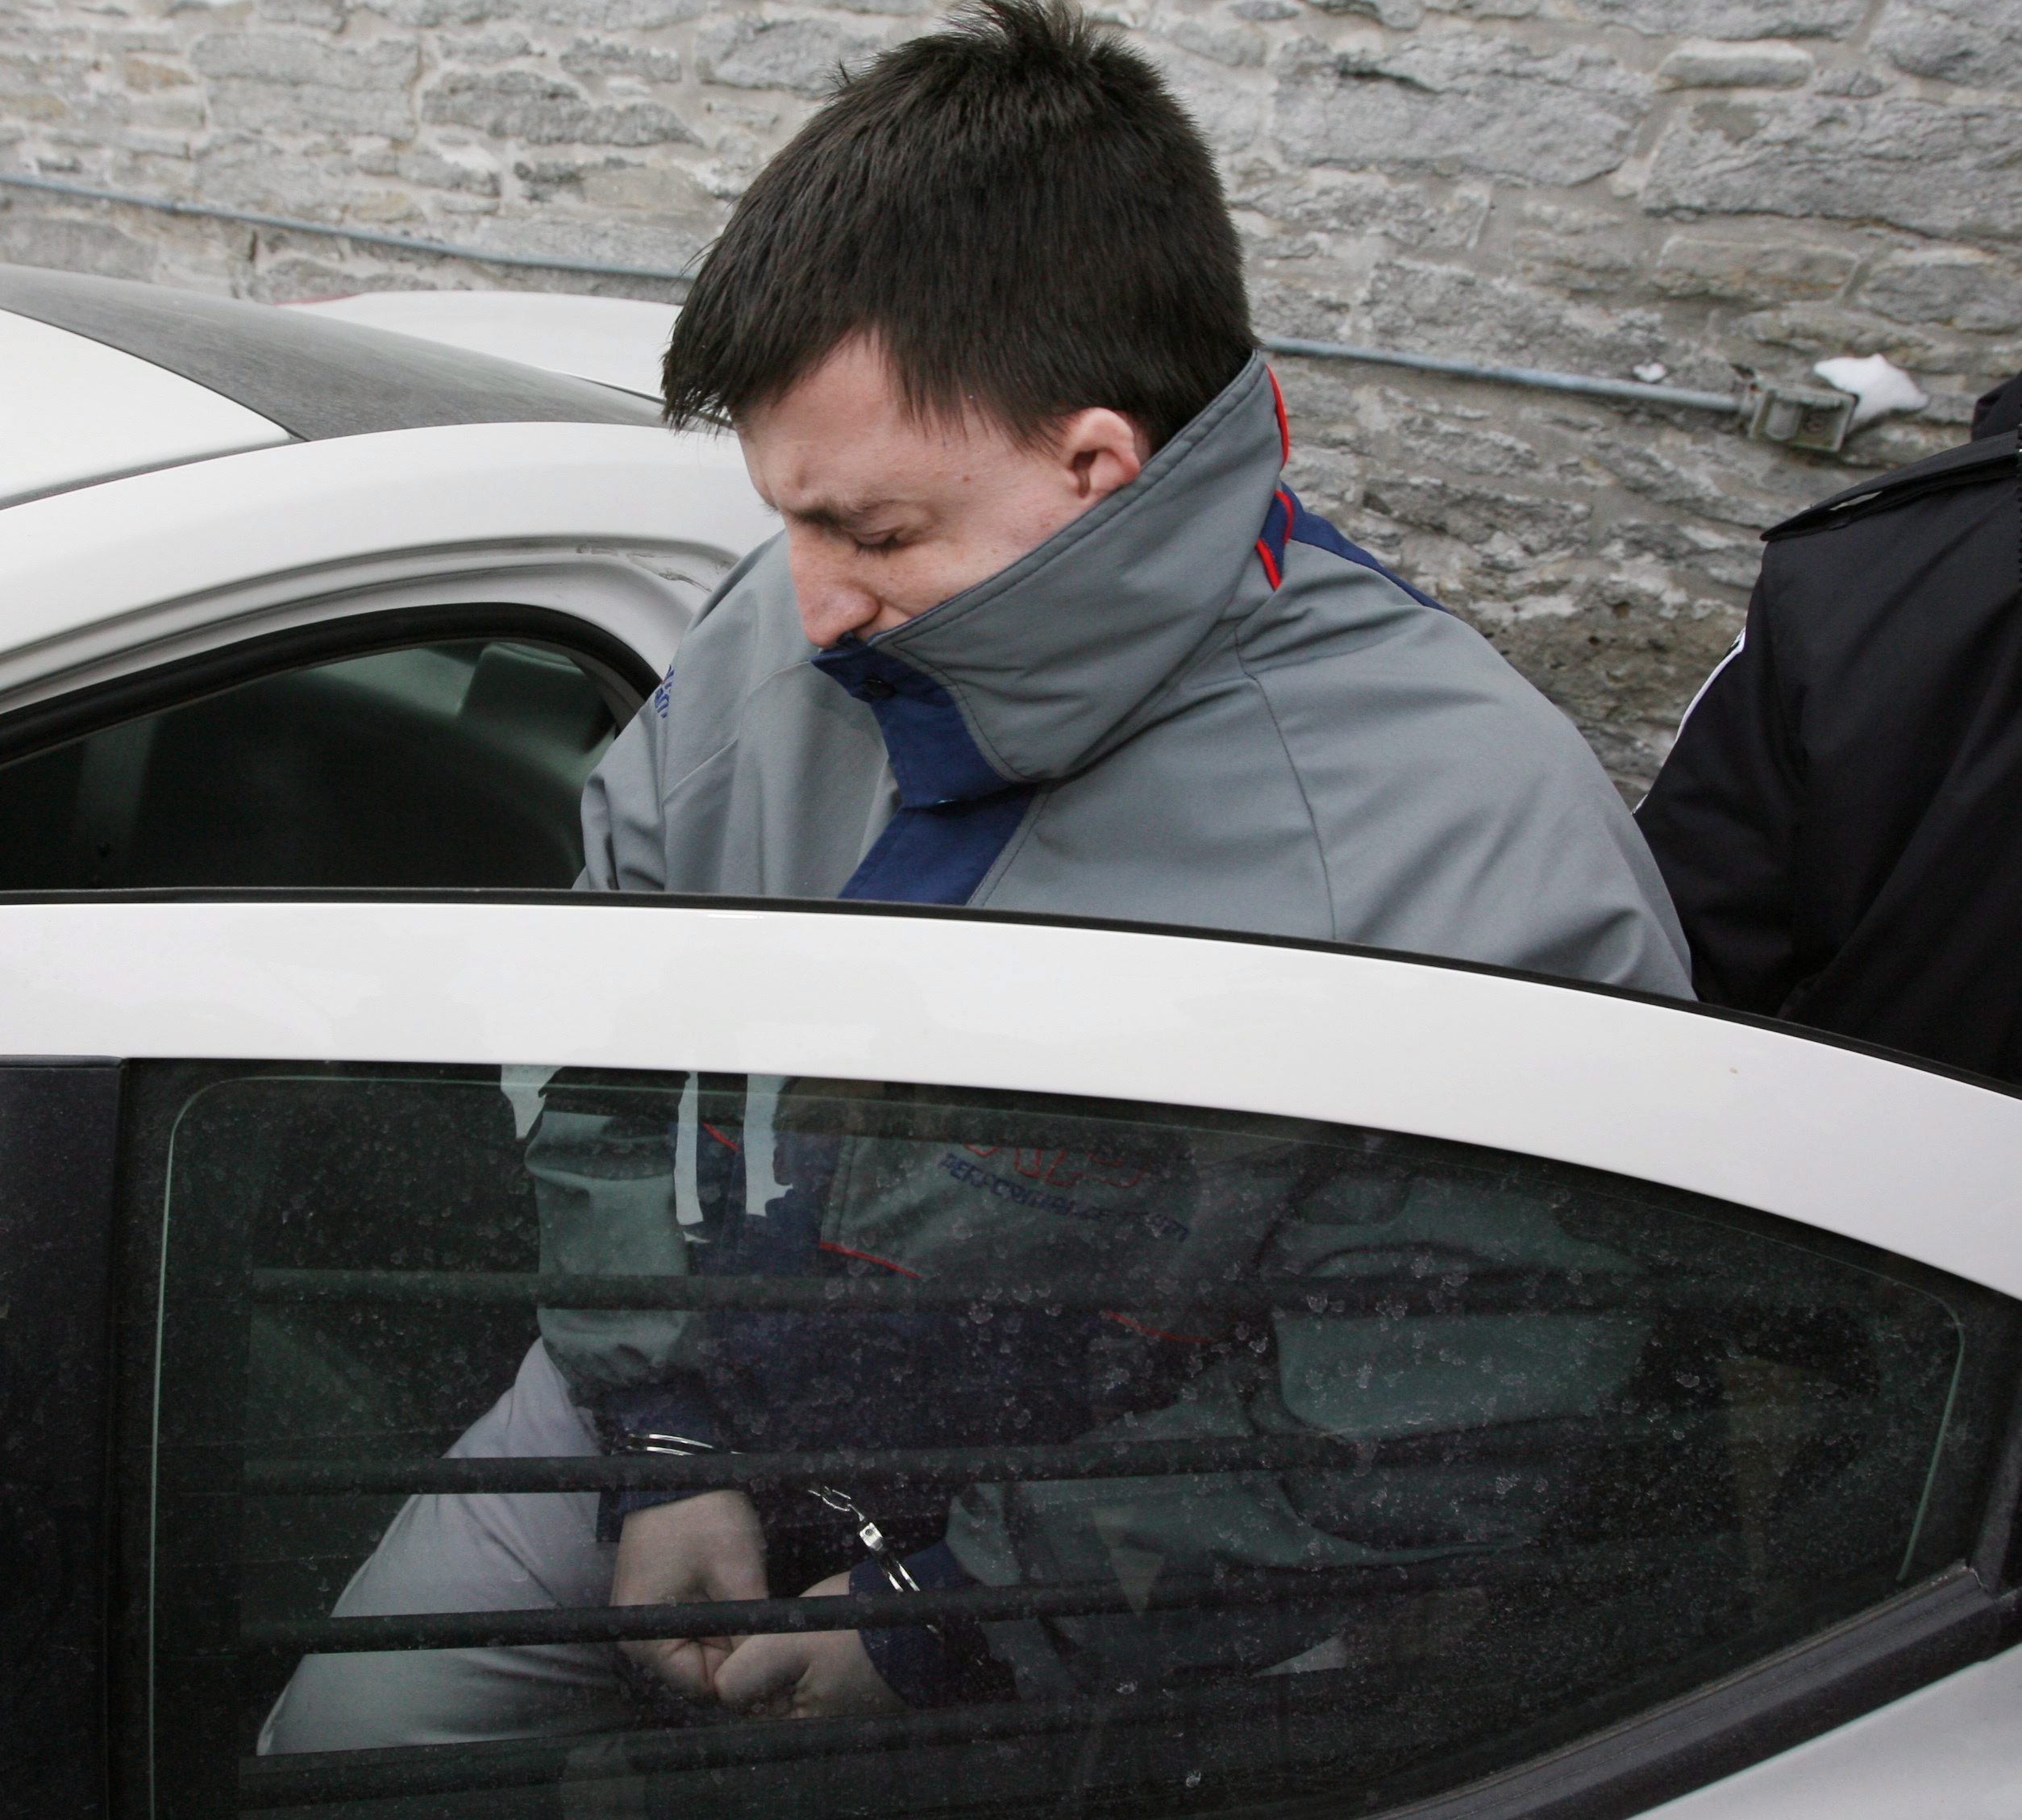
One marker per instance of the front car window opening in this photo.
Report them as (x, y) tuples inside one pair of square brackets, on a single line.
[(1210, 1460), (282, 780)]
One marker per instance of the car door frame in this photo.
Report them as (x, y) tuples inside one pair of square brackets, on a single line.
[(631, 528), (59, 1132)]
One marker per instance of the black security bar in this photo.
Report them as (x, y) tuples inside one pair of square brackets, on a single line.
[(1099, 1457), (1234, 1589), (1435, 1283)]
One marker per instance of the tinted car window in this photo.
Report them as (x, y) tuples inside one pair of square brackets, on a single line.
[(1236, 1458), (454, 764)]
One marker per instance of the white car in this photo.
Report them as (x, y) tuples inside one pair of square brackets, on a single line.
[(1634, 1389), (242, 548)]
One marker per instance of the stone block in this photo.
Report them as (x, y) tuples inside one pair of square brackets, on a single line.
[(145, 74), (583, 15), (1728, 18), (288, 82), (1451, 310), (1977, 43), (1933, 169), (1949, 285), (1240, 47), (1704, 64), (431, 170), (1858, 83), (493, 48), (325, 15), (378, 207), (1766, 270), (1823, 331), (800, 55), (1465, 103), (1489, 9), (1895, 442), (1408, 213), (538, 110), (658, 244), (248, 171), (643, 190), (594, 57), (29, 235), (1471, 448), (1578, 250), (1718, 477), (543, 179), (1501, 527), (1711, 556), (1399, 15)]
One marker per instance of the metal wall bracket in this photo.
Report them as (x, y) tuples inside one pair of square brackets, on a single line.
[(1800, 416)]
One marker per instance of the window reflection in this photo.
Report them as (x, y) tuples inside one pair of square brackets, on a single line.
[(1205, 1456)]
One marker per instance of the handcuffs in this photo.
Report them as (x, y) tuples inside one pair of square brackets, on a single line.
[(639, 1441)]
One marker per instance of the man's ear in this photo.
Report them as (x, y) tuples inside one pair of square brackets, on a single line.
[(1098, 450)]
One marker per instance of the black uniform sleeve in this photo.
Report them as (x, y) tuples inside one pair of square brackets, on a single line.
[(1722, 819)]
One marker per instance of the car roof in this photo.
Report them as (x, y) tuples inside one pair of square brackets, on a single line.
[(73, 410), (615, 340), (314, 378)]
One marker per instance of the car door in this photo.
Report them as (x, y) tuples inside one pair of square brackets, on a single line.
[(1345, 1381), (382, 660)]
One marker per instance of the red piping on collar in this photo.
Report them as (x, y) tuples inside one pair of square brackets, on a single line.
[(1270, 547), (1285, 429)]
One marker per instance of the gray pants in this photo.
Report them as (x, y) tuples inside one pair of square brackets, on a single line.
[(482, 1552)]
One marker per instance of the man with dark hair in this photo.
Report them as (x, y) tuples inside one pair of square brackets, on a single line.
[(1840, 819), (1046, 631)]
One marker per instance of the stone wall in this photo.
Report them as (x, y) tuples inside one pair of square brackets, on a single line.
[(1609, 187)]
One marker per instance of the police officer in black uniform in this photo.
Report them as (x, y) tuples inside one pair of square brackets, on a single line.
[(1841, 820)]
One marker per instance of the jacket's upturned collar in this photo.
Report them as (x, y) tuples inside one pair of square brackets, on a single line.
[(1029, 675)]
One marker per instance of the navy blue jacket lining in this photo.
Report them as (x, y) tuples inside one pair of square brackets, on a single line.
[(1288, 520)]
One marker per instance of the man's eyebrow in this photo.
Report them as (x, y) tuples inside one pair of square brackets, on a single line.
[(837, 515)]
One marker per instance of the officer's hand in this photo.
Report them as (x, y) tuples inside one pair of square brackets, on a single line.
[(811, 1675), (705, 1548)]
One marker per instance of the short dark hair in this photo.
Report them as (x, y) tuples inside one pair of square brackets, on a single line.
[(1018, 211)]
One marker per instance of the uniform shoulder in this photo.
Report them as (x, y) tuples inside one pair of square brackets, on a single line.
[(1973, 464)]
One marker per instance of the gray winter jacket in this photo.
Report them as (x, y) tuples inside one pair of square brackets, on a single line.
[(1195, 704)]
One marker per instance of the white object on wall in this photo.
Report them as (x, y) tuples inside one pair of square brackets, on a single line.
[(1881, 386)]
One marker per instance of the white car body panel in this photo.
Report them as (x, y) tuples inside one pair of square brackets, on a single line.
[(1952, 1750), (1841, 1141), (614, 340), (72, 410), (104, 575)]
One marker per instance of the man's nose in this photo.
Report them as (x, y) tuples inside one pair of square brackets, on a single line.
[(830, 602)]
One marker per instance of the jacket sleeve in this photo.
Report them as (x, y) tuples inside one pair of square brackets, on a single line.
[(604, 1186), (1362, 1379), (1723, 820), (622, 848)]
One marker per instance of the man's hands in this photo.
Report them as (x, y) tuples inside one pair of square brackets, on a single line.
[(711, 1547), (703, 1548), (807, 1675)]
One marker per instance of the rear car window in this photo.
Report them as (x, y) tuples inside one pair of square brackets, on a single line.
[(1234, 1459)]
